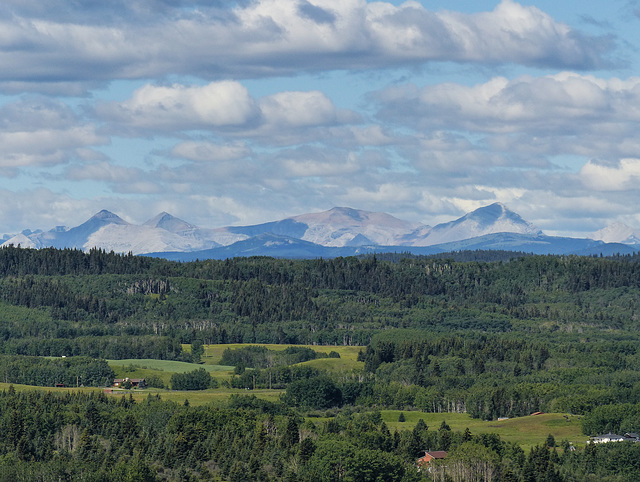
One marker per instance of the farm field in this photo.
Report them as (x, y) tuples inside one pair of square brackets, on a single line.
[(144, 368), (163, 369), (199, 397), (526, 431), (22, 388), (213, 353)]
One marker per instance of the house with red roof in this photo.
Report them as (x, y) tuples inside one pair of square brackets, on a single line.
[(428, 456)]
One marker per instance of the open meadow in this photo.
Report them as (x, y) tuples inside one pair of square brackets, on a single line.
[(213, 353), (527, 431)]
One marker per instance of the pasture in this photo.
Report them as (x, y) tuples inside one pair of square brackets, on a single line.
[(213, 353), (526, 431)]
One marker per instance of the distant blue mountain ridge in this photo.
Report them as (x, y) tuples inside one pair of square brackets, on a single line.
[(340, 231)]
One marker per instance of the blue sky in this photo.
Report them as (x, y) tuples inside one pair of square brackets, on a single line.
[(243, 112)]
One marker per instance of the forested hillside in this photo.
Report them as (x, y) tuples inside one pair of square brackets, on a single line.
[(500, 338), (71, 295)]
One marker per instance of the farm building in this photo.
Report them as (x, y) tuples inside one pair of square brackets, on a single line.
[(135, 382), (612, 437), (428, 456)]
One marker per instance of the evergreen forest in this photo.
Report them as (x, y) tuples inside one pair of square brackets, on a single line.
[(494, 335)]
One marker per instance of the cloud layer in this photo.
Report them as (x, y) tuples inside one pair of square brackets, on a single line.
[(249, 111), (58, 45)]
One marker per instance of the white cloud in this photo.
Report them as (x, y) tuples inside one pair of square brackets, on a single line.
[(180, 107), (309, 163), (226, 108), (103, 171), (45, 146), (67, 45), (523, 121), (42, 132), (298, 109), (207, 151), (623, 176), (500, 105)]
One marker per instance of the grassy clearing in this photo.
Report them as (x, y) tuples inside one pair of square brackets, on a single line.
[(213, 353), (199, 397), (21, 388), (195, 397), (334, 365), (144, 368), (165, 365), (525, 431)]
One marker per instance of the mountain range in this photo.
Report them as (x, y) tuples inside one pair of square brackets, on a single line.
[(340, 231)]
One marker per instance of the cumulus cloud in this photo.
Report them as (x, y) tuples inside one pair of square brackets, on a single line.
[(310, 162), (39, 132), (103, 171), (70, 42), (222, 107), (201, 151), (180, 107), (298, 109), (41, 208), (503, 105), (621, 176), (214, 152), (526, 116)]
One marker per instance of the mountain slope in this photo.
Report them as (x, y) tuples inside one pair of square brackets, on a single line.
[(492, 219), (617, 233), (170, 223), (108, 231), (339, 231), (336, 227)]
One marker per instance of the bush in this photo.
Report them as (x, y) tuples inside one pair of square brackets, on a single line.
[(154, 381), (196, 380), (316, 392)]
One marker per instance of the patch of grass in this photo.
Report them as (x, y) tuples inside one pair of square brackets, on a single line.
[(195, 397), (213, 353), (144, 368), (21, 388), (526, 431), (199, 397), (334, 365), (166, 365)]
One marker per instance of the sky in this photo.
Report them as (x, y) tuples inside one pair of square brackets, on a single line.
[(235, 113)]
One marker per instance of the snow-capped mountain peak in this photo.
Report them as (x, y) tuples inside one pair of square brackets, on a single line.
[(339, 227), (342, 226), (497, 216), (105, 217), (492, 219), (170, 223), (617, 233)]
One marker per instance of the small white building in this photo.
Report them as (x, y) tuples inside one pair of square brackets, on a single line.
[(612, 437)]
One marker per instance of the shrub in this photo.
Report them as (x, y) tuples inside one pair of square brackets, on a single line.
[(198, 379)]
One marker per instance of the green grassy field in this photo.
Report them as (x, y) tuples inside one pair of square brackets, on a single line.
[(213, 353), (199, 397), (144, 368), (525, 431), (166, 365), (335, 365), (196, 397), (21, 388)]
